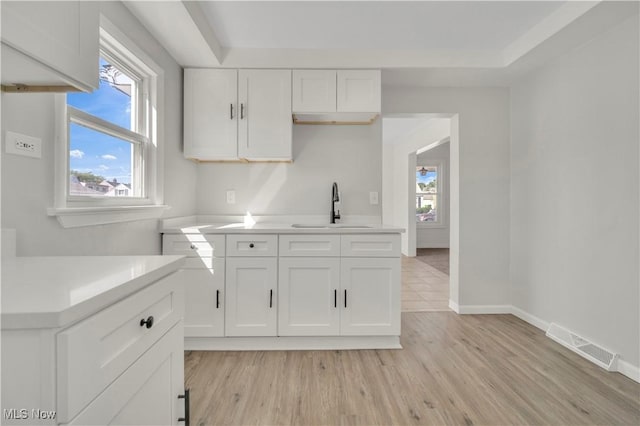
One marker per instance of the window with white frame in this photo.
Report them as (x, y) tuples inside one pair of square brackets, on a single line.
[(108, 131), (428, 194), (109, 143)]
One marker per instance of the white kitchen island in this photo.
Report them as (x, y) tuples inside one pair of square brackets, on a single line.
[(281, 286), (92, 340)]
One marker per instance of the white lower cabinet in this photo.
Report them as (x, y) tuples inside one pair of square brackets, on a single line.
[(370, 296), (308, 296), (204, 296), (251, 296)]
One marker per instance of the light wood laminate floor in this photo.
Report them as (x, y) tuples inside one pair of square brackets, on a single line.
[(471, 369)]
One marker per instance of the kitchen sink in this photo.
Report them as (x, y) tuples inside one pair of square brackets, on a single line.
[(328, 226)]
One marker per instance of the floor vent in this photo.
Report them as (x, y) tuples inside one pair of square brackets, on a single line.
[(594, 353)]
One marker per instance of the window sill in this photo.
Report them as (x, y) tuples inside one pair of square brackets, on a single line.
[(74, 217), (422, 225)]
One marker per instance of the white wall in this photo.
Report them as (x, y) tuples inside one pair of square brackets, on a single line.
[(574, 209), (479, 246), (348, 155), (430, 236), (27, 184)]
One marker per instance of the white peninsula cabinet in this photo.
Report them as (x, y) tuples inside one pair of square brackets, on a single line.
[(38, 51), (237, 115), (93, 341)]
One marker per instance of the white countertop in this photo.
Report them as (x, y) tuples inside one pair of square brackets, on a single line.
[(279, 228), (57, 291)]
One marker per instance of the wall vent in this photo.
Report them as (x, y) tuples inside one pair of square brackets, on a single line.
[(594, 353)]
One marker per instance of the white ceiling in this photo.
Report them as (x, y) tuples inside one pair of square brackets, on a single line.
[(432, 43), (460, 25)]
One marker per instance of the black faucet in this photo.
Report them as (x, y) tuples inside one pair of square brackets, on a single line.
[(334, 199)]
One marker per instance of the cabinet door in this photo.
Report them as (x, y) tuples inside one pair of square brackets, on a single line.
[(370, 296), (314, 91), (307, 301), (358, 91), (147, 392), (210, 114), (61, 35), (203, 300), (251, 296), (265, 126)]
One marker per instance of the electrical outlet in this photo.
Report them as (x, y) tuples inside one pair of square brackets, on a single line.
[(373, 197), (19, 144), (231, 197)]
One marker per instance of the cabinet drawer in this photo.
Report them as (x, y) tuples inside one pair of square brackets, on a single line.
[(193, 245), (252, 245), (310, 245), (147, 392), (94, 352), (378, 245)]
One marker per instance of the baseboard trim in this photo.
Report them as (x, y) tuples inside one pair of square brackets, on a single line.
[(531, 319), (629, 370), (286, 343), (484, 309), (454, 306)]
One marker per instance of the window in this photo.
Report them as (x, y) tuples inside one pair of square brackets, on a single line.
[(428, 194), (107, 130), (108, 140)]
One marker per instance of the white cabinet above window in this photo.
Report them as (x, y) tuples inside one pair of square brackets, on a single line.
[(47, 44), (336, 97), (237, 115)]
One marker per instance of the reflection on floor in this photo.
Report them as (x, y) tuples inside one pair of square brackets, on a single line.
[(424, 288)]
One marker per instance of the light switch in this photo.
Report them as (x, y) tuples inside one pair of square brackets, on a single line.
[(231, 197), (373, 197)]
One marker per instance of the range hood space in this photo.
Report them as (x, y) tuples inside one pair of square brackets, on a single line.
[(336, 118)]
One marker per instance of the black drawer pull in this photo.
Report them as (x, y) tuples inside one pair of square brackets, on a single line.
[(345, 298), (271, 298), (335, 298), (148, 322), (251, 245), (185, 419), (217, 299)]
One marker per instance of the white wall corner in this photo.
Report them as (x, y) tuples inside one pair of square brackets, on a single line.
[(454, 306)]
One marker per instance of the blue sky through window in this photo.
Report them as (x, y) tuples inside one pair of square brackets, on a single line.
[(95, 152), (430, 176)]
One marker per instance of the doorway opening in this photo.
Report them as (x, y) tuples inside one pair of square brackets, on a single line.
[(418, 187)]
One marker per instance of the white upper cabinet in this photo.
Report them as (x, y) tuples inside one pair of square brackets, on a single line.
[(314, 91), (210, 114), (264, 129), (330, 91), (237, 115), (358, 91), (50, 43)]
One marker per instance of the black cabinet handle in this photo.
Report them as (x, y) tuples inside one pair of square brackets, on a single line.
[(335, 298), (217, 299), (271, 298), (251, 245), (185, 419), (345, 298), (193, 247), (148, 322), (231, 107), (241, 111)]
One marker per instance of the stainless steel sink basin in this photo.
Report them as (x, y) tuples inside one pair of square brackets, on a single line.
[(332, 225)]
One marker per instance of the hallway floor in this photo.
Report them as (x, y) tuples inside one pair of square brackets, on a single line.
[(424, 287)]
